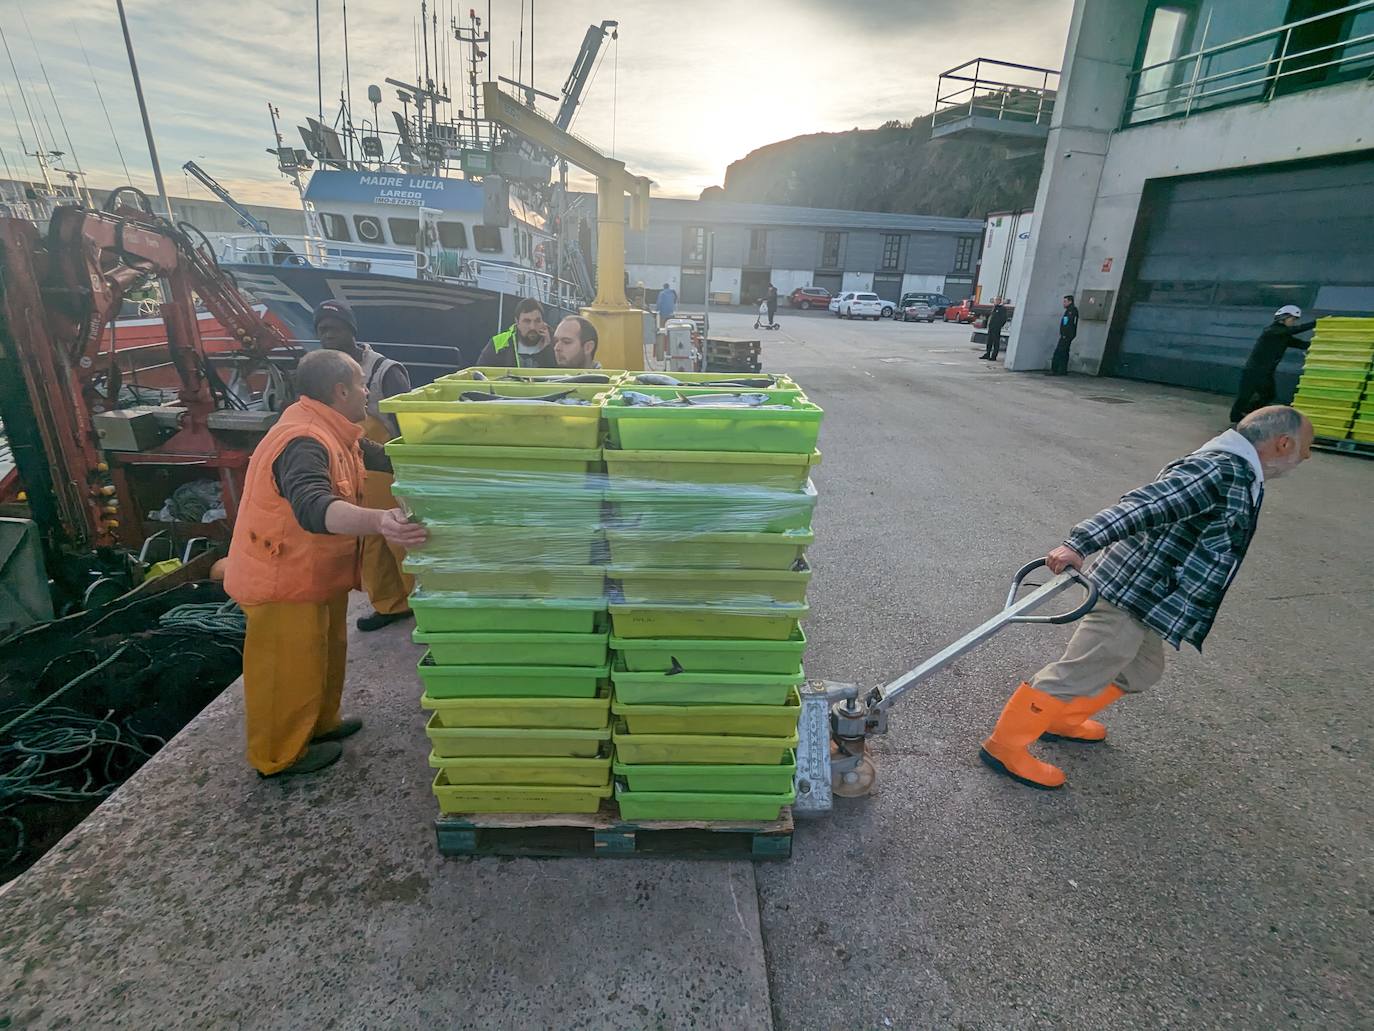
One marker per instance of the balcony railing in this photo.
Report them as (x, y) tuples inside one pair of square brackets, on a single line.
[(1257, 67), (995, 97)]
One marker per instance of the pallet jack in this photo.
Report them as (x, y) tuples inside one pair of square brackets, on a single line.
[(838, 719)]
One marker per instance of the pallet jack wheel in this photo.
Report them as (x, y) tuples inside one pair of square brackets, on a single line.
[(858, 782)]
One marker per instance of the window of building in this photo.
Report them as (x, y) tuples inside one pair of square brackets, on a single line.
[(963, 254), (758, 246), (453, 236), (892, 251), (403, 231), (487, 239), (335, 227), (369, 229), (694, 245), (830, 250)]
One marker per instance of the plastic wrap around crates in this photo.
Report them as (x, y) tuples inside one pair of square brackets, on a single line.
[(649, 549), (707, 508), (748, 587), (558, 501), (751, 469), (513, 580), (439, 465)]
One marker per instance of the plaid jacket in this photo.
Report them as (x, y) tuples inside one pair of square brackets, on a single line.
[(1173, 546)]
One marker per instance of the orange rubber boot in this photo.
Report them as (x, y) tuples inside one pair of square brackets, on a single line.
[(1074, 724), (1026, 715)]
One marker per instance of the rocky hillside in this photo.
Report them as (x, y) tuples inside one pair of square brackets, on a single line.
[(893, 168)]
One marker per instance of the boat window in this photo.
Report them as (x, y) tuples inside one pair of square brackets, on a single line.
[(335, 227), (487, 239), (453, 236), (403, 231), (369, 229)]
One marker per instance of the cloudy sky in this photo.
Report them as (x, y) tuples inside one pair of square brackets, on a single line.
[(687, 88)]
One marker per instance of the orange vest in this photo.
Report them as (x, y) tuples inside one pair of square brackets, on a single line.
[(271, 557)]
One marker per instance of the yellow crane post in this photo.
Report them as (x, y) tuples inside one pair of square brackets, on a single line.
[(619, 326)]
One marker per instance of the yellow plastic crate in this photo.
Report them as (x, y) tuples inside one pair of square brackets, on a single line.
[(507, 798), (476, 742), (553, 771), (571, 713)]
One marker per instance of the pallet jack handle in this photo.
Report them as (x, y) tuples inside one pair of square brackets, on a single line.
[(1071, 574)]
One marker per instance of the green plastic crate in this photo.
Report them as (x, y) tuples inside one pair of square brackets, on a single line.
[(515, 581), (757, 623), (511, 681), (635, 428), (495, 649), (552, 507), (474, 742), (711, 586), (649, 548), (775, 779), (446, 612), (684, 805), (426, 418), (501, 373), (506, 798), (728, 720), (555, 771), (705, 688), (466, 545), (766, 471), (1351, 393), (570, 713), (456, 464), (775, 394), (780, 380), (700, 749), (705, 655), (720, 508)]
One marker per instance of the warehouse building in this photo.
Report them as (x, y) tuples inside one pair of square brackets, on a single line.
[(752, 245), (1207, 161)]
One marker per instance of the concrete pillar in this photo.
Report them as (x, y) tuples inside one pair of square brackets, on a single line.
[(1103, 36)]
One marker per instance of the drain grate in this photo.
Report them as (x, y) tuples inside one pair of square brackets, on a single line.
[(1107, 400)]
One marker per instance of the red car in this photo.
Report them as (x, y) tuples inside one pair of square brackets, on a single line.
[(961, 312), (808, 297)]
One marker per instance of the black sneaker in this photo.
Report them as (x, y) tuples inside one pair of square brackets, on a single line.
[(380, 619)]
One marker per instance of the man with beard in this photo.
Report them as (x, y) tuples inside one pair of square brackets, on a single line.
[(526, 345)]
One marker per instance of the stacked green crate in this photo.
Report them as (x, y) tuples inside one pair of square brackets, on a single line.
[(709, 517), (1335, 381), (510, 592)]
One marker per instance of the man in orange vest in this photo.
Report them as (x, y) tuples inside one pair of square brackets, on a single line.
[(293, 559), (387, 587)]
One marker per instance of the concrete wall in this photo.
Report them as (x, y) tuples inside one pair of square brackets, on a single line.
[(923, 284), (787, 280), (654, 276), (858, 281), (726, 279), (1093, 177)]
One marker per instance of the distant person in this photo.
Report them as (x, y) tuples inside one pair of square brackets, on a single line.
[(387, 587), (996, 321), (526, 345), (1257, 386), (574, 344), (1170, 549), (1068, 329), (667, 304), (772, 301)]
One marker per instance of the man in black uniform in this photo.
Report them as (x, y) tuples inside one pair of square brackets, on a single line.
[(1068, 329), (996, 321), (1257, 378)]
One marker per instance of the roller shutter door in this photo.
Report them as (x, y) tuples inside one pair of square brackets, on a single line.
[(1217, 254)]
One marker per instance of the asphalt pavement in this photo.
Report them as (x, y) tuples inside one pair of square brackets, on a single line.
[(1207, 867)]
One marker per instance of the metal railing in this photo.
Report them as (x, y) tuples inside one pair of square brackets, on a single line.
[(999, 90), (1190, 83), (447, 266)]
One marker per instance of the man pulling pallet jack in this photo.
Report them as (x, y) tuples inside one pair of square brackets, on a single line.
[(1169, 551)]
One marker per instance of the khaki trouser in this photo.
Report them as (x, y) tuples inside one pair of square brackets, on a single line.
[(1110, 646), (293, 676)]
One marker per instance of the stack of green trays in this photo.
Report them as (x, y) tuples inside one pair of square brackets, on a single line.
[(1334, 386), (708, 521), (510, 605)]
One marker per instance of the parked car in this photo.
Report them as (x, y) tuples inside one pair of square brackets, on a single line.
[(889, 308), (938, 302), (961, 312), (860, 306), (835, 302), (918, 311), (808, 297)]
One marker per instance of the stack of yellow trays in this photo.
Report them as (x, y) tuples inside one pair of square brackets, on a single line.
[(1333, 390)]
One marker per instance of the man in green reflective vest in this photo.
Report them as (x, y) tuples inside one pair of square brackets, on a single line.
[(526, 345)]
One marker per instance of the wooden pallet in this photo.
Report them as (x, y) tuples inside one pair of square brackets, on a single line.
[(1360, 448), (605, 834)]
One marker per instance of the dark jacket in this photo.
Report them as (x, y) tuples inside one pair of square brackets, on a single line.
[(1274, 342), (997, 319), (1068, 323), (301, 476), (1173, 546), (501, 352)]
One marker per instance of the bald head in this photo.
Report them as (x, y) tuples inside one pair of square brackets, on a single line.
[(1282, 436), (333, 378)]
